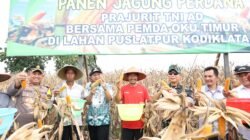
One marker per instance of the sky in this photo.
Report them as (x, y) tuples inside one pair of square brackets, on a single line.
[(110, 63)]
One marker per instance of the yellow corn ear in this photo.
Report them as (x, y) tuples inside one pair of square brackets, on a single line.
[(227, 84), (165, 85), (68, 99), (62, 89), (207, 129), (222, 127), (39, 123), (199, 85), (49, 92), (23, 84), (96, 83)]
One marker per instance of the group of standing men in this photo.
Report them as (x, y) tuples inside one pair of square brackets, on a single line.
[(99, 98)]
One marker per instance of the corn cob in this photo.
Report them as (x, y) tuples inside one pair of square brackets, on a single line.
[(207, 129), (96, 83), (68, 99), (62, 89), (49, 94), (227, 84), (23, 84), (165, 85), (222, 127), (39, 123), (199, 85)]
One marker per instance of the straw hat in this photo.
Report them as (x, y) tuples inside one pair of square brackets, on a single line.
[(133, 70), (4, 77), (61, 72)]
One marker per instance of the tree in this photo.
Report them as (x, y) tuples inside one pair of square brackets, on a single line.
[(17, 64), (73, 60)]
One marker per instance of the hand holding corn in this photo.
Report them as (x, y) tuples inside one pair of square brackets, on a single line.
[(59, 91), (198, 89), (20, 80), (93, 91), (226, 91)]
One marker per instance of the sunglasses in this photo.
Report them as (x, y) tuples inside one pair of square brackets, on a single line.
[(172, 73)]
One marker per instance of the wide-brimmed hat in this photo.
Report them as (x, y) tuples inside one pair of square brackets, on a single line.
[(242, 69), (4, 77), (133, 70), (62, 71)]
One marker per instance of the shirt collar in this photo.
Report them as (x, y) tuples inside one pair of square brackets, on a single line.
[(242, 87), (68, 86), (177, 87), (218, 89)]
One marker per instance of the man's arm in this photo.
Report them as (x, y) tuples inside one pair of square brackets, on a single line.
[(15, 88), (13, 91), (89, 95), (118, 96), (107, 91)]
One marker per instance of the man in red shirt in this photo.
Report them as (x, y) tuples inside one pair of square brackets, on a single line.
[(132, 93)]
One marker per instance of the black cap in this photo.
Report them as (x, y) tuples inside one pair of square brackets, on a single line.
[(35, 68), (242, 69), (175, 68), (94, 70)]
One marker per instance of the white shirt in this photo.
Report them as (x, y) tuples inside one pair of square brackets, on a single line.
[(243, 92), (216, 94), (76, 91)]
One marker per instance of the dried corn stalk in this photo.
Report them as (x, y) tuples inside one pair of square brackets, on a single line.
[(222, 113), (64, 109), (153, 119), (31, 132), (173, 107)]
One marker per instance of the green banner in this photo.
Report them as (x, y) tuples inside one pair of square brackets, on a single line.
[(105, 27)]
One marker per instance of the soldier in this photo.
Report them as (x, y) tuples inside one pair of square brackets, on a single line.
[(174, 78)]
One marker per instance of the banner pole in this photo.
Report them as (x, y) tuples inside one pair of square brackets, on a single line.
[(86, 66), (226, 65)]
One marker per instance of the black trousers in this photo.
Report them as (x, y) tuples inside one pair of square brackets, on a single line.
[(67, 132), (99, 132), (131, 134)]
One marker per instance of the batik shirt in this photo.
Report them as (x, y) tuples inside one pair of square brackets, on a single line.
[(99, 110)]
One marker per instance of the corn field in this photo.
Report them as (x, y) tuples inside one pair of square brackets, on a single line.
[(189, 78)]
